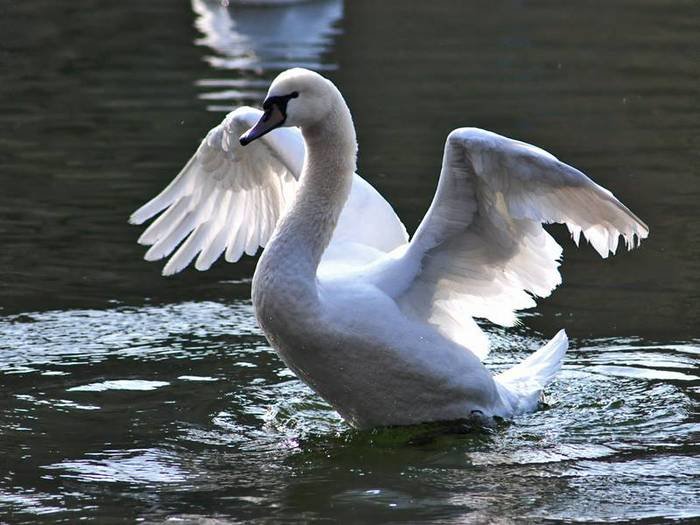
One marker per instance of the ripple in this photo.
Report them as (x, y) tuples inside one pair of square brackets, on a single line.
[(197, 378), (642, 373), (123, 466), (120, 384), (42, 340), (33, 502), (224, 416), (554, 454)]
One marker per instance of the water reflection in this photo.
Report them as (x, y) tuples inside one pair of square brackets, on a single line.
[(255, 41)]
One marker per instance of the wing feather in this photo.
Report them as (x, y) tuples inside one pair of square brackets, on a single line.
[(481, 249), (228, 199), (213, 249), (224, 199)]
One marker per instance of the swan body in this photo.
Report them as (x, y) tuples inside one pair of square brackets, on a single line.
[(382, 327)]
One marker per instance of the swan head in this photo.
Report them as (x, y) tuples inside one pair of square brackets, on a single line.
[(297, 97)]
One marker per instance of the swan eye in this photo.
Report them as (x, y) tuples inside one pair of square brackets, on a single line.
[(280, 100)]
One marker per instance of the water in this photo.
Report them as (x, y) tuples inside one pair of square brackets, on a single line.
[(129, 396)]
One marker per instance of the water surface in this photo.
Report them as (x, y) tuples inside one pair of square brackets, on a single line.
[(125, 395)]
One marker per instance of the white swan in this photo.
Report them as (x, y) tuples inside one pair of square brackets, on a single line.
[(380, 327)]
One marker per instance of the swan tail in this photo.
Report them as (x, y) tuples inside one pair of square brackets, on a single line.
[(521, 386)]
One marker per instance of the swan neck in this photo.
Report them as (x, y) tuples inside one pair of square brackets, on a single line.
[(329, 165)]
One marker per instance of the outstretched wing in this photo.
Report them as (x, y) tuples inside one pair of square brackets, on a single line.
[(481, 250), (224, 199), (228, 198)]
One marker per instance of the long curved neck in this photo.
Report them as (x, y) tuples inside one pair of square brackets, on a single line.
[(305, 231)]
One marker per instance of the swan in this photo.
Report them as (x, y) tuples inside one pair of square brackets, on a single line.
[(380, 326)]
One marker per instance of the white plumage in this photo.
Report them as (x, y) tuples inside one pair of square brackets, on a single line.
[(229, 198), (381, 327)]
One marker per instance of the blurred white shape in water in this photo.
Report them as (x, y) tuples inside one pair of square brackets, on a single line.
[(197, 378), (257, 37), (124, 466), (120, 384)]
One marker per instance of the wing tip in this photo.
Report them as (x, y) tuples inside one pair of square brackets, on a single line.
[(607, 245), (145, 239), (138, 217), (173, 266), (155, 254), (645, 230), (202, 266)]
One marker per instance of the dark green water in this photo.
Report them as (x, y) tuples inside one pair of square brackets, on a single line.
[(126, 396)]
